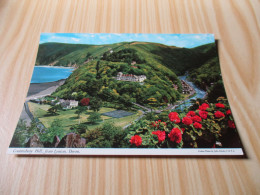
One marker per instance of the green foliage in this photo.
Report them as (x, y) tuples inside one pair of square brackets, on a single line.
[(216, 90), (20, 135), (95, 104), (207, 74), (106, 136), (158, 62), (54, 130), (124, 55), (94, 117), (79, 128), (53, 109), (80, 110)]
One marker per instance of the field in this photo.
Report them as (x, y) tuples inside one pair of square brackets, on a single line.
[(69, 118)]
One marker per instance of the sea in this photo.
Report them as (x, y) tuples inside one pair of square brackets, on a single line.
[(45, 74)]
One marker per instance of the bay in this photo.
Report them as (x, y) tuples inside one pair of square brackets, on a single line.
[(45, 74)]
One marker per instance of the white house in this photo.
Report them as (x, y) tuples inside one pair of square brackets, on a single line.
[(130, 77), (68, 104)]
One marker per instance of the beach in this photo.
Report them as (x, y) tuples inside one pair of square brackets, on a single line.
[(37, 90)]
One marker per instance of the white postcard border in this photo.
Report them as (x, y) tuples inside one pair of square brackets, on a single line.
[(126, 151)]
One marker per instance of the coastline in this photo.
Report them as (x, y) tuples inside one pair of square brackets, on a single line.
[(46, 66), (42, 89)]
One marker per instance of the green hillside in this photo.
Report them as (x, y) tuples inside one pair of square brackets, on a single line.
[(62, 54), (177, 59), (98, 65), (96, 79)]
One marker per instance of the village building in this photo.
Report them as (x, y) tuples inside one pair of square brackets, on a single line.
[(130, 77), (68, 104), (175, 87)]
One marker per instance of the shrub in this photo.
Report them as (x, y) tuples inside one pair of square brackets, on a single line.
[(199, 128)]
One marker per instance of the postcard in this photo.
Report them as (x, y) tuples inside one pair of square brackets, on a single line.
[(126, 94)]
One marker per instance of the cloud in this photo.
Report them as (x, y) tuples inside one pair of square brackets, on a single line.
[(179, 40)]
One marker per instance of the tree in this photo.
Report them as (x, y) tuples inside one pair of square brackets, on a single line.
[(94, 117), (84, 102), (152, 102), (53, 110), (74, 95), (79, 111), (95, 104), (79, 128), (54, 130)]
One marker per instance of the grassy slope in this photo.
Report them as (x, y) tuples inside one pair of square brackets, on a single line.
[(69, 118), (177, 59), (66, 54)]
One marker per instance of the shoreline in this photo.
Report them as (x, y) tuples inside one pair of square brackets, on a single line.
[(41, 89), (46, 66)]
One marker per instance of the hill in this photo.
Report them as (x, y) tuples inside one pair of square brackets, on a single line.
[(97, 81), (98, 66), (177, 59)]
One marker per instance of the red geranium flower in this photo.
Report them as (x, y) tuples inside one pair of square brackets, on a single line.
[(231, 124), (196, 118), (219, 105), (175, 135), (197, 125), (219, 114), (174, 117), (187, 120), (153, 124), (203, 106), (203, 114), (191, 113), (183, 129), (160, 135), (136, 139), (228, 112)]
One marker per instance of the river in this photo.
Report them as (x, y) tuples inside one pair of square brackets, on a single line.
[(199, 94)]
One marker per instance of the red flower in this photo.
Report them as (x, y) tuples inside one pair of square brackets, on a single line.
[(160, 135), (153, 124), (137, 140), (197, 125), (219, 105), (219, 114), (228, 112), (187, 120), (175, 135), (203, 114), (196, 118), (183, 129), (203, 106), (191, 113), (174, 117), (231, 124)]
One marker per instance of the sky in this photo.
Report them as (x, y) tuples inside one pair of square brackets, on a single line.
[(179, 40)]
